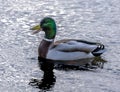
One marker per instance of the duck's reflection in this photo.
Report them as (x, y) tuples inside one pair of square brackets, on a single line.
[(48, 80)]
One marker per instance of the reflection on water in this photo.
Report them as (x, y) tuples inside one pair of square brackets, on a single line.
[(48, 80), (47, 66)]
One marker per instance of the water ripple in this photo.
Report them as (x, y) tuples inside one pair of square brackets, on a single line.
[(95, 20)]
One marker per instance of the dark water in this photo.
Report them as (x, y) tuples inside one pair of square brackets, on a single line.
[(95, 20), (47, 66)]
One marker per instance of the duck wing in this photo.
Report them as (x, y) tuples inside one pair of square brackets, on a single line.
[(73, 45)]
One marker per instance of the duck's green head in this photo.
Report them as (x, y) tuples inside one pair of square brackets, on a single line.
[(47, 25)]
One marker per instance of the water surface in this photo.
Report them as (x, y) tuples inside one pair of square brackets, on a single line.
[(92, 20)]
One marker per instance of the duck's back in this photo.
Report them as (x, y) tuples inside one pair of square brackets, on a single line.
[(73, 49)]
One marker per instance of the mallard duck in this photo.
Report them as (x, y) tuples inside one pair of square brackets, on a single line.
[(66, 49)]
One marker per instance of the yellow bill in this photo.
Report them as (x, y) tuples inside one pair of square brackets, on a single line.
[(37, 29)]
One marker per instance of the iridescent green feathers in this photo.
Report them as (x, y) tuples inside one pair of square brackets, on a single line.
[(48, 25)]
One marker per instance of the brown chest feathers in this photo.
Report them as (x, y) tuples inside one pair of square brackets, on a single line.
[(43, 48)]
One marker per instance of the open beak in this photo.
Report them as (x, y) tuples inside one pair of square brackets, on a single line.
[(36, 29)]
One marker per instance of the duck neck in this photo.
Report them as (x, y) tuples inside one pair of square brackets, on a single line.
[(44, 47), (48, 40), (50, 34)]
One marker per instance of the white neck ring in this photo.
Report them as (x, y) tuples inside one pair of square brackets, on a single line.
[(49, 40)]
